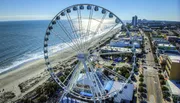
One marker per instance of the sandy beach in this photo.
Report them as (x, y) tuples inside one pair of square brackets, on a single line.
[(31, 72), (37, 68)]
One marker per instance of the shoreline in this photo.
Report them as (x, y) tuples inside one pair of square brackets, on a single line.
[(30, 70), (27, 73), (18, 66)]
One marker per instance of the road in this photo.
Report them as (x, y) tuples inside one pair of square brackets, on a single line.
[(154, 93)]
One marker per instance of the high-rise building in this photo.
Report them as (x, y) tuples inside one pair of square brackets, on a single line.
[(139, 21), (134, 20), (172, 64)]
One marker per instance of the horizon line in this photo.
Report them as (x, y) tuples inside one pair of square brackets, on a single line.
[(51, 19)]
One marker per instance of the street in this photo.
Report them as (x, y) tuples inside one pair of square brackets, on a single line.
[(154, 93)]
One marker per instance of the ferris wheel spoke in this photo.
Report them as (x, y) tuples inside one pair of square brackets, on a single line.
[(71, 72), (72, 80), (67, 34), (98, 82), (62, 96), (116, 90), (64, 41), (109, 70), (103, 36), (107, 33), (73, 31), (98, 27), (89, 25), (91, 80), (80, 27)]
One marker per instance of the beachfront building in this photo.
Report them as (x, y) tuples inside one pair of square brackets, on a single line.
[(174, 86), (137, 44), (118, 50), (165, 48), (173, 39), (126, 43), (156, 41), (71, 100), (119, 35), (120, 43), (126, 95), (172, 65)]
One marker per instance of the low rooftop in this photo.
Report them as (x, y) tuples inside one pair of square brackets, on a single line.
[(174, 86), (120, 49), (174, 57), (165, 45)]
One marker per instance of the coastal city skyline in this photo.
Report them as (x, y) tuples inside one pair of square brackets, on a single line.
[(90, 51), (36, 10)]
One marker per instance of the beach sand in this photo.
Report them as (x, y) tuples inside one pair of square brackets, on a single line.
[(10, 81)]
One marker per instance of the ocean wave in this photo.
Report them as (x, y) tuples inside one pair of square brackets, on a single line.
[(27, 57)]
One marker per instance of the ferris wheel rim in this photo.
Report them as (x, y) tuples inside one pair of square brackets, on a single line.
[(46, 48)]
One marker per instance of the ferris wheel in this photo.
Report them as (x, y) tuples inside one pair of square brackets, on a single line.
[(77, 31)]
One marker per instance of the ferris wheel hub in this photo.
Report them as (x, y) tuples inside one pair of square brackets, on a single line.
[(81, 56)]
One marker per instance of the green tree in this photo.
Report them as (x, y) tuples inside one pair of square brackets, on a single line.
[(42, 99), (141, 79), (141, 84), (25, 100), (109, 67), (166, 94), (161, 76), (106, 72), (62, 78), (127, 75), (141, 75), (50, 88), (141, 89), (39, 90), (163, 82), (164, 88)]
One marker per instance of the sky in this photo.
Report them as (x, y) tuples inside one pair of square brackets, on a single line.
[(12, 10)]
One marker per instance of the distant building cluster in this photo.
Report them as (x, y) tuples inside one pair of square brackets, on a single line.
[(134, 21), (165, 40)]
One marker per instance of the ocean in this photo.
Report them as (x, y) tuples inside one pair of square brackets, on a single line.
[(21, 41)]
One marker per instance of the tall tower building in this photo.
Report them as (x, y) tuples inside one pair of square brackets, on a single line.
[(134, 20)]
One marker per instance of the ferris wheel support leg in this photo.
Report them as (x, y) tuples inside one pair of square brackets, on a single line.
[(88, 75), (82, 58), (102, 90), (64, 94)]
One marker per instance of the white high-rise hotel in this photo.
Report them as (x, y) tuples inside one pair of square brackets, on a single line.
[(134, 20)]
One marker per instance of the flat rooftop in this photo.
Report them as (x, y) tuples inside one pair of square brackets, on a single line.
[(120, 49), (174, 57), (127, 93), (174, 86), (165, 45)]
